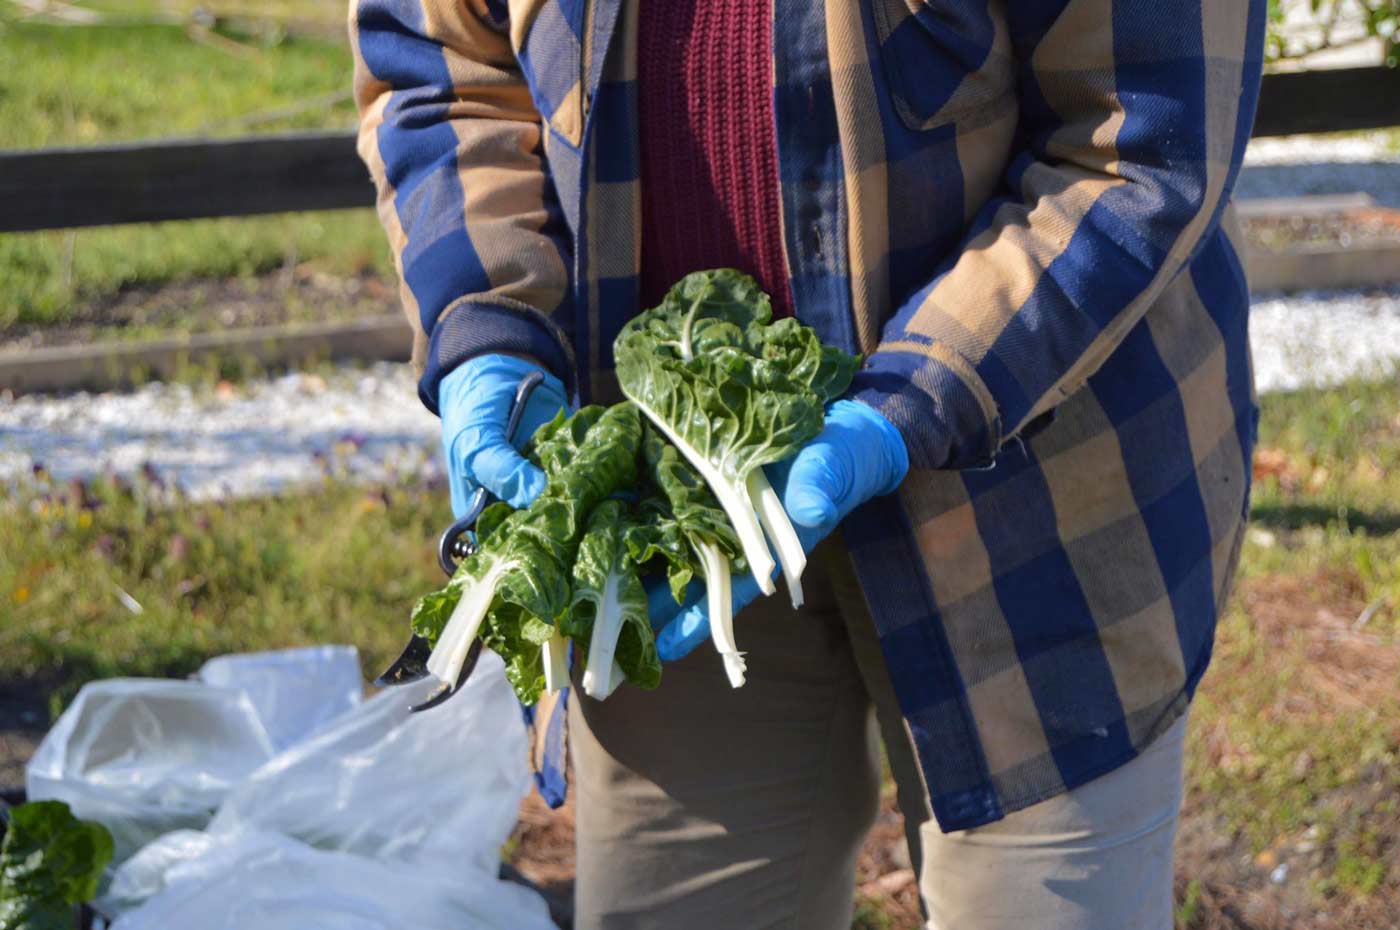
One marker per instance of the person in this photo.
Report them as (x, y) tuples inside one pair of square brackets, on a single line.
[(1023, 519)]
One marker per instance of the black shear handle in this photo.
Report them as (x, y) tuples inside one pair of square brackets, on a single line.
[(455, 544)]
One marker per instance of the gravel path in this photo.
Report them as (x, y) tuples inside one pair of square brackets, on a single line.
[(368, 423), (1324, 338), (243, 439), (1292, 166)]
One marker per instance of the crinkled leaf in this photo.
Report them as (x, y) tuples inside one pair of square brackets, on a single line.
[(431, 612), (703, 312), (556, 443), (608, 593), (659, 545), (796, 349), (526, 556), (722, 311), (490, 520), (50, 862), (696, 367), (678, 511), (507, 633), (730, 411)]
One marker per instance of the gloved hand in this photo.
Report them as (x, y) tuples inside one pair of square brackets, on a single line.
[(475, 399), (858, 455)]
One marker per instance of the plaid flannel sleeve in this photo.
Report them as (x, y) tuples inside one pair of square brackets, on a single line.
[(453, 142), (1133, 121)]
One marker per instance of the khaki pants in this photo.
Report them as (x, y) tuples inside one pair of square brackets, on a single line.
[(700, 807)]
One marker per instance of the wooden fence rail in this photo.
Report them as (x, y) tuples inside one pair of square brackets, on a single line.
[(188, 179), (181, 179)]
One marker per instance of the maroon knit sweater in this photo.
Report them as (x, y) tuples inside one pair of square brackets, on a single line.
[(710, 191)]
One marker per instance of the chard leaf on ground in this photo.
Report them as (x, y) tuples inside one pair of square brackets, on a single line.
[(50, 862)]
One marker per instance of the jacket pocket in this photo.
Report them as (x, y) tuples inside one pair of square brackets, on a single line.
[(946, 61)]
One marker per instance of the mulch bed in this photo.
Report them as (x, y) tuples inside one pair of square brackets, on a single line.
[(294, 295), (1359, 227)]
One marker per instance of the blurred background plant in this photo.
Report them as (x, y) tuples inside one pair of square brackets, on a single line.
[(1301, 28)]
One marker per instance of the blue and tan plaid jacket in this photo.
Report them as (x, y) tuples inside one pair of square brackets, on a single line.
[(1018, 210)]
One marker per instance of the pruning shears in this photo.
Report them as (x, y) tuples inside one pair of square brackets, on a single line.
[(457, 542)]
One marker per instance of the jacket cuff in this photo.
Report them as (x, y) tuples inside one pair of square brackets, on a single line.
[(945, 414), (473, 326)]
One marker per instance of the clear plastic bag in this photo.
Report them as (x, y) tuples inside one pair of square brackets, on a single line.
[(384, 783), (295, 691), (145, 757), (261, 881), (381, 818)]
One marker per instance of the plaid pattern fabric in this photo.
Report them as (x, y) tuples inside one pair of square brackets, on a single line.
[(1017, 209)]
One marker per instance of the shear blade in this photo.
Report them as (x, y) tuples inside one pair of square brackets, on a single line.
[(410, 666), (441, 695)]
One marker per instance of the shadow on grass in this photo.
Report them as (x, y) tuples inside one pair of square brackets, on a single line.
[(1299, 516)]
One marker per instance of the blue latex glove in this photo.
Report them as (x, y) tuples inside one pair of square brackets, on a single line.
[(858, 455), (474, 399)]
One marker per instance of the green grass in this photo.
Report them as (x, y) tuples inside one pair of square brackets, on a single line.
[(324, 15), (1295, 732), (341, 564), (47, 277), (106, 83), (1296, 729)]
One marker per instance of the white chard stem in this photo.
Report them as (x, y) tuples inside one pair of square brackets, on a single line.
[(450, 654), (616, 676), (780, 531), (555, 656), (602, 644), (720, 602), (732, 498), (601, 686)]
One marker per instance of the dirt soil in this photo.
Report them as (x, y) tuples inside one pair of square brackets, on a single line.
[(1348, 670), (293, 295), (1362, 227), (1223, 884), (23, 718), (305, 294)]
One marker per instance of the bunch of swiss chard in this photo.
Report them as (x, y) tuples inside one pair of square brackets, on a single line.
[(668, 483)]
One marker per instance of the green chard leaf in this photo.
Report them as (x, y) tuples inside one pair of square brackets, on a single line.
[(512, 634), (690, 366), (795, 349), (556, 443), (526, 556), (490, 520), (50, 862), (678, 512), (608, 618)]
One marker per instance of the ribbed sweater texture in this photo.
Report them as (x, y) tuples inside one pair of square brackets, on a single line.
[(709, 163)]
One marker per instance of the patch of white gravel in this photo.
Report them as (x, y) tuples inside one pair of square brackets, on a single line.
[(1295, 166), (1307, 150), (368, 425), (359, 423), (1324, 338)]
